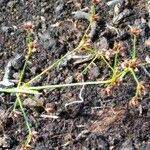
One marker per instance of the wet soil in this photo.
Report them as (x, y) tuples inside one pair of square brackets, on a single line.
[(99, 123)]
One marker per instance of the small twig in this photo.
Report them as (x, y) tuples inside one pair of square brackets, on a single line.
[(140, 110), (81, 56), (84, 59), (49, 116), (80, 97), (112, 28), (81, 15), (82, 135), (113, 2), (146, 72)]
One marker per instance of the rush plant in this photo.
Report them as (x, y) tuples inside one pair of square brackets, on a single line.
[(118, 68)]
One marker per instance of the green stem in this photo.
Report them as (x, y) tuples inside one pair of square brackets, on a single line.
[(123, 73), (136, 80), (19, 90), (32, 90), (134, 47), (116, 60), (26, 60), (25, 64), (103, 58), (69, 85), (25, 118), (114, 67), (89, 64)]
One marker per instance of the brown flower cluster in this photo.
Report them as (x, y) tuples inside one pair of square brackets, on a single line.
[(34, 45), (96, 1), (132, 63), (142, 88), (119, 48), (135, 101), (108, 91), (135, 31), (28, 25), (96, 17)]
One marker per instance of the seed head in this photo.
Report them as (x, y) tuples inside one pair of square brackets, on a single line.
[(106, 91), (133, 63), (96, 1), (119, 48), (28, 25), (96, 17), (142, 88), (24, 147), (88, 43), (135, 31), (15, 114), (135, 101), (50, 107), (34, 45), (109, 54)]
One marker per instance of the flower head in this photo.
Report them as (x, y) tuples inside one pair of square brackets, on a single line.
[(28, 25), (135, 101), (135, 31)]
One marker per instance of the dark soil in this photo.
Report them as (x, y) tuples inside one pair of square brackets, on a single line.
[(100, 122)]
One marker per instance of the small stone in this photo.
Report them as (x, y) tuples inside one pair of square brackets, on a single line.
[(33, 70), (102, 44), (17, 61), (4, 28), (11, 4), (147, 43), (93, 72), (33, 102), (47, 41), (117, 19), (145, 146), (16, 75), (127, 145), (50, 107), (59, 8), (69, 79), (4, 142)]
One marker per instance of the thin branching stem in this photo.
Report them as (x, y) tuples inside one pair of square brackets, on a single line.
[(21, 76), (80, 45)]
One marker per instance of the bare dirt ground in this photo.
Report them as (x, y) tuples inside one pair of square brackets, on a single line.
[(99, 123)]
